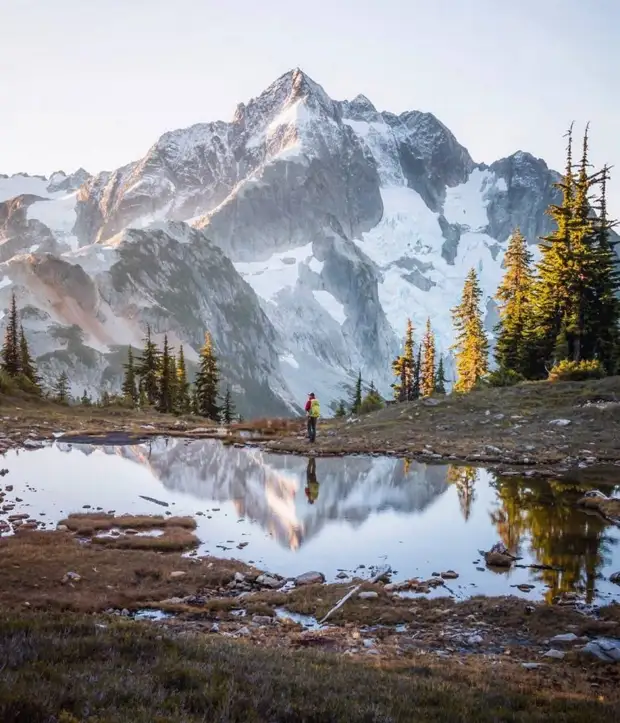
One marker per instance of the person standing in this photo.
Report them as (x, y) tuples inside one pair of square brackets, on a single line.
[(313, 412)]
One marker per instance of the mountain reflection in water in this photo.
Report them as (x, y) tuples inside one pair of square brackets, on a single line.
[(421, 518)]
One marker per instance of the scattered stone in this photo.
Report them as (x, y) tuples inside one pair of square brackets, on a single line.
[(310, 578), (239, 577), (268, 581), (262, 620), (525, 587), (15, 518), (449, 575), (615, 578), (71, 577), (241, 545), (497, 559), (368, 595), (565, 638), (531, 666), (560, 422), (215, 628), (342, 576), (555, 654), (242, 631), (175, 574), (481, 569), (474, 639)]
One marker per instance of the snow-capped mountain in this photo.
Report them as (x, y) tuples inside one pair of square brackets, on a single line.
[(324, 223)]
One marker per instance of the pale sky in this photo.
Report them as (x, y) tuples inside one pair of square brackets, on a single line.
[(94, 83)]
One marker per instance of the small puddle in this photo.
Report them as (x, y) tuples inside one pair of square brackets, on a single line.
[(307, 621), (341, 516), (151, 614)]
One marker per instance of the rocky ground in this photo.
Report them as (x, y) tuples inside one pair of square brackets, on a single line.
[(562, 655), (536, 425)]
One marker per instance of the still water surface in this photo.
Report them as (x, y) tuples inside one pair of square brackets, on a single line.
[(335, 514)]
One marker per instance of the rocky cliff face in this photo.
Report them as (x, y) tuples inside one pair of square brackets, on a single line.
[(303, 234)]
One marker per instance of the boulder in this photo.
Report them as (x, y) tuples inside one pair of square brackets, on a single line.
[(605, 649), (310, 578), (555, 654), (449, 575), (615, 578), (175, 574), (565, 638), (270, 581), (497, 559)]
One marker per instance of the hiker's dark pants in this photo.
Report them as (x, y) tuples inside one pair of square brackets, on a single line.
[(312, 428)]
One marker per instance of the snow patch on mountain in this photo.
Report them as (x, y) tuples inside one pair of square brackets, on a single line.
[(331, 305), (466, 204), (280, 271)]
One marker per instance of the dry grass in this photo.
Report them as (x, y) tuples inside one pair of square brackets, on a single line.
[(117, 672), (33, 565), (89, 523)]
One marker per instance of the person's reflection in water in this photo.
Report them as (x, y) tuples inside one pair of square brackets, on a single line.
[(312, 486)]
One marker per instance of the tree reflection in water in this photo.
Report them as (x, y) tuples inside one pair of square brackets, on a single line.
[(464, 478), (543, 513)]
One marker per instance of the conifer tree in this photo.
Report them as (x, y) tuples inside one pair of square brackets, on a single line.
[(228, 408), (415, 392), (11, 350), (183, 402), (357, 395), (341, 410), (515, 298), (129, 387), (207, 382), (471, 341), (61, 389), (148, 369), (27, 365), (427, 375), (85, 400), (166, 380), (403, 368), (440, 378), (105, 400), (577, 312)]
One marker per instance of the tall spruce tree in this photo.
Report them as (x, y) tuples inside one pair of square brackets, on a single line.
[(129, 388), (471, 342), (356, 404), (403, 367), (427, 374), (417, 376), (85, 400), (514, 331), (148, 369), (165, 392), (61, 388), (577, 312), (440, 378), (183, 401), (10, 350), (27, 365), (207, 382), (228, 408)]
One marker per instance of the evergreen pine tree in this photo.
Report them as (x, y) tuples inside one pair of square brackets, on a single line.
[(27, 365), (61, 389), (341, 410), (440, 378), (166, 380), (11, 351), (129, 388), (415, 392), (207, 382), (515, 296), (471, 341), (228, 409), (183, 402), (85, 400), (357, 395), (105, 400), (148, 369), (427, 374), (403, 368)]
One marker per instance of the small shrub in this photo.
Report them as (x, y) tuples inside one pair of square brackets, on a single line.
[(571, 371), (503, 378), (371, 403)]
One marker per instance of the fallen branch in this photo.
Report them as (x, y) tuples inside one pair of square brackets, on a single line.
[(375, 578)]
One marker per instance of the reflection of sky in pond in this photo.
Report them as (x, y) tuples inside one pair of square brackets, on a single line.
[(338, 513)]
